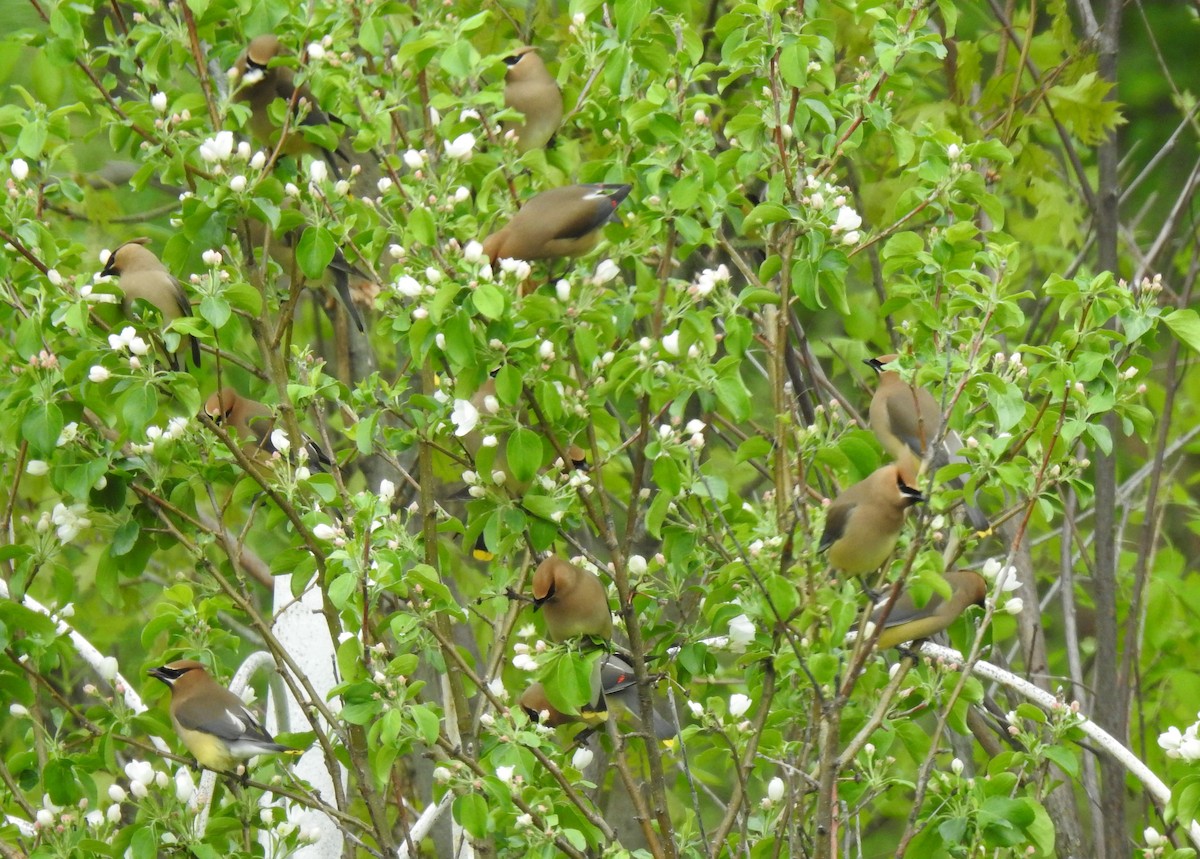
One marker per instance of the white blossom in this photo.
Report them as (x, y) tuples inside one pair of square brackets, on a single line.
[(546, 350), (384, 184), (113, 814), (108, 668), (582, 758), (387, 491), (19, 169), (775, 789), (318, 171), (524, 662), (138, 346), (159, 102), (505, 774), (37, 467), (243, 151), (847, 220), (491, 404), (217, 149), (741, 633), (185, 788), (211, 257), (670, 343), (237, 184), (259, 161), (69, 521), (473, 252), (18, 711), (54, 277), (44, 817), (606, 270), (464, 417), (408, 286), (415, 159), (739, 704), (139, 772), (1152, 837), (696, 707), (953, 151), (461, 147), (637, 565), (316, 51), (117, 793), (324, 531), (562, 289)]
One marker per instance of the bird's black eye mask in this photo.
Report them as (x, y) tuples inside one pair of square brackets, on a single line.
[(537, 603)]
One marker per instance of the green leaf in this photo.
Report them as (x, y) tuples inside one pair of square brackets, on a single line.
[(1185, 325), (471, 812), (524, 451), (489, 300), (41, 427), (314, 252)]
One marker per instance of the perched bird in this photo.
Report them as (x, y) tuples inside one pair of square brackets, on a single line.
[(573, 601), (907, 622), (213, 723), (254, 423), (863, 523), (282, 250), (561, 222), (614, 691), (907, 421), (262, 84), (144, 277), (529, 88)]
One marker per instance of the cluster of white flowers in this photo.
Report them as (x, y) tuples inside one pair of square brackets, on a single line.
[(709, 279), (1010, 365), (67, 522), (846, 221), (693, 430), (215, 150), (523, 659), (1004, 581), (1185, 744), (155, 434)]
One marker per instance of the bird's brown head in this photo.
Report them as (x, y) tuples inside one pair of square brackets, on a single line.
[(220, 405), (173, 672), (972, 585), (906, 482), (545, 580), (261, 50), (522, 62), (129, 257), (880, 364)]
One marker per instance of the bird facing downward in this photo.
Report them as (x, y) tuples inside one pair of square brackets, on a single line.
[(561, 222), (529, 88), (573, 601), (263, 83), (254, 422), (144, 277), (907, 420), (907, 622), (863, 523), (614, 690), (213, 723)]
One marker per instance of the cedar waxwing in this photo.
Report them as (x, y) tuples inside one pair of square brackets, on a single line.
[(339, 271), (573, 601), (144, 277), (254, 423), (906, 622), (617, 694), (213, 723), (561, 222), (906, 420), (529, 88), (270, 83), (864, 521)]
